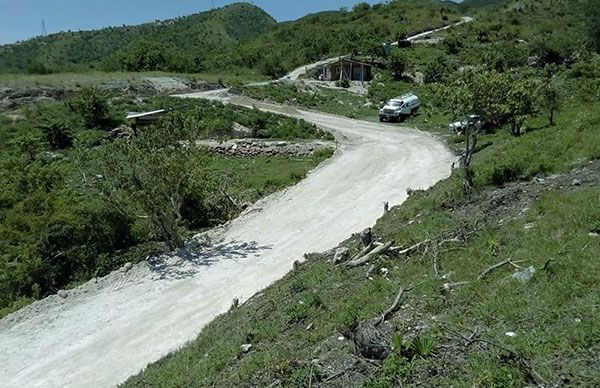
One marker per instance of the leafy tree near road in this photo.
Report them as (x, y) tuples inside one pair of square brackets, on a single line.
[(151, 177), (272, 66), (437, 70), (520, 103), (496, 98)]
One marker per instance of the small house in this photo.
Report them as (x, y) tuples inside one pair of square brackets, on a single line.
[(349, 69)]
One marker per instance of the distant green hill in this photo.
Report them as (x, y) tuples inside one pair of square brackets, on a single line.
[(236, 36), (189, 39), (360, 29)]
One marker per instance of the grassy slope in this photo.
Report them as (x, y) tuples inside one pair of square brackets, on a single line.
[(201, 34), (555, 315), (294, 324)]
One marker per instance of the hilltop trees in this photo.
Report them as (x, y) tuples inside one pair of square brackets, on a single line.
[(152, 56)]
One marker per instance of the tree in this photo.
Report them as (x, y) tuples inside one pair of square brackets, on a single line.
[(361, 7), (452, 44), (520, 103), (57, 132), (437, 70), (272, 66), (551, 98), (374, 49), (151, 177), (396, 64), (496, 98)]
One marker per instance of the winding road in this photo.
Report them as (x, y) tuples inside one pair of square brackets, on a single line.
[(105, 331)]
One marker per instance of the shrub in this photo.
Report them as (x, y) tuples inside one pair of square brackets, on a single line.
[(92, 106), (57, 133), (396, 64), (343, 83)]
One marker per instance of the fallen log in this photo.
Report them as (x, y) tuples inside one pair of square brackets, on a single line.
[(447, 287), (365, 251), (365, 258)]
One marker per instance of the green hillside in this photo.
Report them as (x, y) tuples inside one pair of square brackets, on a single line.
[(190, 40), (317, 36), (497, 283), (240, 36)]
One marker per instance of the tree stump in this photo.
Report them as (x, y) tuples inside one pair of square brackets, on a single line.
[(366, 237), (371, 343)]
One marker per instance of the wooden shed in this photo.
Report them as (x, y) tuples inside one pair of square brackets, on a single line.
[(350, 69)]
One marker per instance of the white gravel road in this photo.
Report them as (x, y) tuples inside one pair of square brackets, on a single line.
[(107, 330), (111, 328)]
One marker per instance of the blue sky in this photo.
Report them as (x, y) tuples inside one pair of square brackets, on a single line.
[(22, 19)]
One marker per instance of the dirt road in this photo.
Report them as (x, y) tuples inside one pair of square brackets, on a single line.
[(107, 330)]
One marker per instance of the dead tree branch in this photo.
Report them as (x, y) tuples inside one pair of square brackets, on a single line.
[(499, 265), (399, 251), (386, 314), (375, 252)]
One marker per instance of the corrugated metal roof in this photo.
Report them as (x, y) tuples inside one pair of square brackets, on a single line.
[(135, 115)]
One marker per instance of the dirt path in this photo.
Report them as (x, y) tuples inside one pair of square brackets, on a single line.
[(111, 328)]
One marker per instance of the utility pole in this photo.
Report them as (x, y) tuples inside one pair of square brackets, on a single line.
[(44, 31)]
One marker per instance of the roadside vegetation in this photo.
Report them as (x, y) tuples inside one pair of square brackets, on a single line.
[(489, 279), (78, 200)]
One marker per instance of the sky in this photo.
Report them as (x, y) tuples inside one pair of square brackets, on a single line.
[(22, 19)]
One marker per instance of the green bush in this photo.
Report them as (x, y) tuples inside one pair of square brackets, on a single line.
[(91, 103), (57, 133)]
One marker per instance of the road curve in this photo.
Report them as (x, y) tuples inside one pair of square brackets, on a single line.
[(111, 328)]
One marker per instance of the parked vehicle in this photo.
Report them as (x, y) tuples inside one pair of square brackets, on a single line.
[(472, 121), (399, 108)]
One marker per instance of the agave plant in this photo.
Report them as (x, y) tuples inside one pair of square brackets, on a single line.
[(423, 346)]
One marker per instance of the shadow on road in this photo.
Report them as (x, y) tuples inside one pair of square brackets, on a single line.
[(186, 262)]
